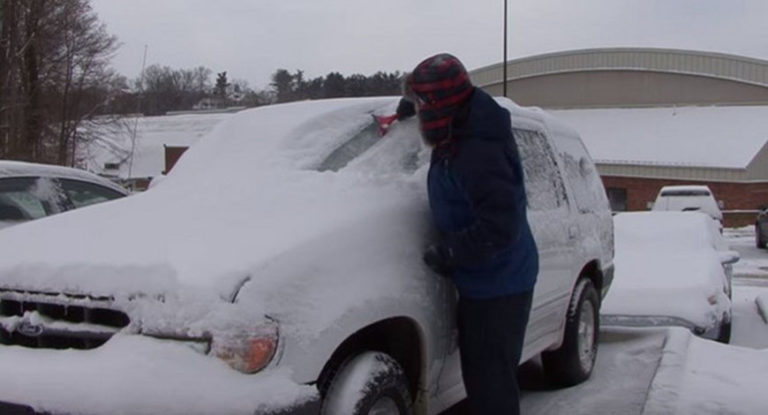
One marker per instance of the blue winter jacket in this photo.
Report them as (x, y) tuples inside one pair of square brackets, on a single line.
[(478, 202)]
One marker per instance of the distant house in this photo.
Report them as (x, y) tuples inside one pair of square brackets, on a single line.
[(209, 103)]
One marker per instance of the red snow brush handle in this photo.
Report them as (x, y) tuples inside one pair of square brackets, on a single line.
[(384, 121)]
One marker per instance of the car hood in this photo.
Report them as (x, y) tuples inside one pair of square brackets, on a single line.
[(227, 212)]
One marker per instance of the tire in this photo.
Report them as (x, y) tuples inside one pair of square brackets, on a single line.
[(759, 241), (371, 383), (724, 335), (573, 362)]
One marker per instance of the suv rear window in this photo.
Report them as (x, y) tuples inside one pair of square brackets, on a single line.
[(687, 192)]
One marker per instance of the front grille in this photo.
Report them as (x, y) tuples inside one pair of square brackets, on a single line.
[(36, 323)]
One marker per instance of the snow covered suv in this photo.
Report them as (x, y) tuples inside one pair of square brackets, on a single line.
[(278, 269)]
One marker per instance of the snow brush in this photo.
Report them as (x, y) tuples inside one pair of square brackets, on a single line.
[(384, 122)]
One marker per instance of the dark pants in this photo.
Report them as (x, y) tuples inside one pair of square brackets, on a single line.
[(491, 336)]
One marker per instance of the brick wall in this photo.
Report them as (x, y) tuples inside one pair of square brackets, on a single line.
[(735, 196)]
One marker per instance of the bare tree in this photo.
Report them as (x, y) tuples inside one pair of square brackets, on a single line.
[(55, 74)]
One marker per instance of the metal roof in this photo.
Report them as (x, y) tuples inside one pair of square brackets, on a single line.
[(706, 137), (708, 64)]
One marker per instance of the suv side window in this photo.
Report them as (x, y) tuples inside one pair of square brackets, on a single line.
[(543, 184), (84, 193)]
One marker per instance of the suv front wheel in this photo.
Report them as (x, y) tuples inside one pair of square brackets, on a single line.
[(572, 363), (371, 383)]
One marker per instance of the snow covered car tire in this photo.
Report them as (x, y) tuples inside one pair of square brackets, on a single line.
[(724, 334), (572, 363), (371, 383)]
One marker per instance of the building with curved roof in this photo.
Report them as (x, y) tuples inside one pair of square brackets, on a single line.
[(655, 117), (624, 77)]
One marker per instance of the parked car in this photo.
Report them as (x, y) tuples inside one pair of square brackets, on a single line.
[(688, 199), (674, 268), (31, 191), (287, 244), (761, 229)]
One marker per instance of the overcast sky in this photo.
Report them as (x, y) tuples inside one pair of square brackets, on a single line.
[(250, 39)]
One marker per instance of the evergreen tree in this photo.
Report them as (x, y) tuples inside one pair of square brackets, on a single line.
[(222, 85)]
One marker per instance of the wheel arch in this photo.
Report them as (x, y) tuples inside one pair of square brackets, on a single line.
[(594, 273), (400, 337)]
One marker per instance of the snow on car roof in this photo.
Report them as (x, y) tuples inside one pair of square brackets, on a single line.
[(10, 168), (727, 137), (685, 188)]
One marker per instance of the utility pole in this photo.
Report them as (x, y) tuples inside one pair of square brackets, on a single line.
[(504, 75), (136, 117)]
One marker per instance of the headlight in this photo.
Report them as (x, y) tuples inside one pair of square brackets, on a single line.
[(247, 352)]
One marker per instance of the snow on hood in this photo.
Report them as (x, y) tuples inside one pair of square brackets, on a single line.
[(246, 193)]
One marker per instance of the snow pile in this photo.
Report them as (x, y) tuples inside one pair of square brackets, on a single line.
[(139, 375), (667, 264), (697, 376)]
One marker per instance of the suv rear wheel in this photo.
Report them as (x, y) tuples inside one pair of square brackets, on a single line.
[(760, 242), (371, 383), (572, 363)]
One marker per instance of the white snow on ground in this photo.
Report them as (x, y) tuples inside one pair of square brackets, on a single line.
[(667, 265), (754, 261), (626, 362), (749, 328), (698, 376), (114, 380), (672, 136), (114, 142)]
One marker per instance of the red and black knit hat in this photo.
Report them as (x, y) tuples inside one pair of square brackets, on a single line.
[(441, 85)]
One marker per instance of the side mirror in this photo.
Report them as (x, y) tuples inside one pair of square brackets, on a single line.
[(649, 205), (721, 204)]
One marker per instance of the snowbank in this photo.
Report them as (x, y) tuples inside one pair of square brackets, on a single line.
[(697, 376), (135, 375)]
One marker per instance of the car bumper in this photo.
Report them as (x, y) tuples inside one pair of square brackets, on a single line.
[(138, 375)]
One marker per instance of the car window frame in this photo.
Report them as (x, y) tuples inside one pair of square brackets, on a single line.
[(64, 181)]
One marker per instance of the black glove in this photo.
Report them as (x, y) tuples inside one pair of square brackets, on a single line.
[(438, 259), (405, 109)]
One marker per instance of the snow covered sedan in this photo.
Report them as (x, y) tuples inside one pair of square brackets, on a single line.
[(31, 191), (673, 269), (278, 269)]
